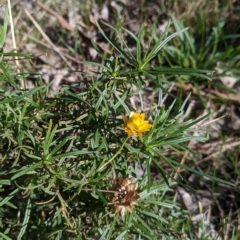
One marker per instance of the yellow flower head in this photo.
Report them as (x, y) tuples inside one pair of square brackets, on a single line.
[(135, 125)]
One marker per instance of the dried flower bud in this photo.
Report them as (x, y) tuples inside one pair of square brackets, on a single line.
[(125, 195)]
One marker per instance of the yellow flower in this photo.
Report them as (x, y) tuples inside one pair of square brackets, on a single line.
[(135, 125)]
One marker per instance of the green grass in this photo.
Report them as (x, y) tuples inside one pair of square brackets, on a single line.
[(61, 150)]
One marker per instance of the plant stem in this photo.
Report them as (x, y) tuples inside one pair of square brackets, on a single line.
[(114, 156)]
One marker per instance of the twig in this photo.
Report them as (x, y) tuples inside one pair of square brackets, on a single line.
[(186, 152), (166, 96), (223, 149), (214, 120), (60, 19), (48, 39), (14, 40)]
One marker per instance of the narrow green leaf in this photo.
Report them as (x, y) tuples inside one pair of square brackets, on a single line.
[(5, 182), (5, 237), (121, 100), (26, 219), (72, 154), (21, 96), (6, 199), (24, 170), (160, 44), (103, 233), (111, 41), (162, 204), (157, 217), (109, 236), (59, 146), (121, 235), (143, 226)]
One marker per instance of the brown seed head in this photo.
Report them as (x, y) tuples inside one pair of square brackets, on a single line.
[(125, 195)]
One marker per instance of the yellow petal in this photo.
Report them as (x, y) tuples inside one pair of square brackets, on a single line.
[(135, 125)]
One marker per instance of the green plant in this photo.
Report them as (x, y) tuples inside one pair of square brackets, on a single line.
[(62, 151), (214, 52)]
